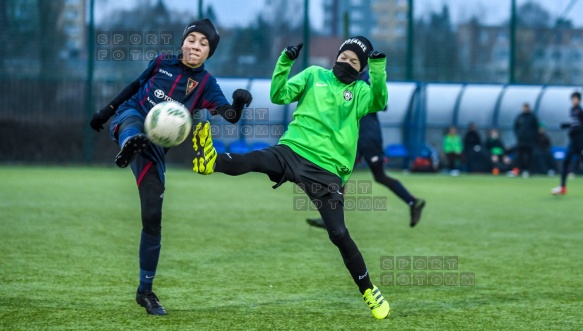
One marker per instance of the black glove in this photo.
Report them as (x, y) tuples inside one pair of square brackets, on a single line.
[(293, 51), (242, 98), (565, 125), (376, 55), (101, 117)]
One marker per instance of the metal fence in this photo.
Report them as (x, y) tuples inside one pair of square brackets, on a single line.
[(48, 47)]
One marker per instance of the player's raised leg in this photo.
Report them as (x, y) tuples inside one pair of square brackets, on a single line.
[(131, 139), (205, 153), (207, 161)]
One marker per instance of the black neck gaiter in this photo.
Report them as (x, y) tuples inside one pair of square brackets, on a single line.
[(345, 72)]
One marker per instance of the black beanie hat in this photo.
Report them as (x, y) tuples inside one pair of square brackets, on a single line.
[(360, 46), (206, 27)]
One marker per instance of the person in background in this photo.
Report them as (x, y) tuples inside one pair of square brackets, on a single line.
[(474, 156), (452, 148), (543, 159), (575, 126), (526, 131), (498, 156)]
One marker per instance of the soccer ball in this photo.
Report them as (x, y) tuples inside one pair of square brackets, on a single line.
[(168, 124)]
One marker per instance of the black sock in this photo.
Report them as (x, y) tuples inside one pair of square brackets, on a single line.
[(359, 272), (332, 213), (353, 261), (149, 254)]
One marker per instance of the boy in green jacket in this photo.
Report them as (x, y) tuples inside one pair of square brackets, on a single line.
[(318, 149), (452, 148)]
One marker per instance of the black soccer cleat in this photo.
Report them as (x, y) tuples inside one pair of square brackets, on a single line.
[(416, 210), (130, 149), (150, 301), (316, 222)]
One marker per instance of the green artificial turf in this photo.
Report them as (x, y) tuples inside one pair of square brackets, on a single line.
[(237, 256)]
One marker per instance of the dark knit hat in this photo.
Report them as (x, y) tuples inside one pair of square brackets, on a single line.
[(206, 27), (360, 46)]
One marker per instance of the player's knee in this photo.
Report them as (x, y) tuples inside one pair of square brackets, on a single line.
[(381, 177), (132, 121), (152, 221), (345, 244), (152, 229), (338, 235)]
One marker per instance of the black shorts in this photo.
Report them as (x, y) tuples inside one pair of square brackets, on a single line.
[(314, 180), (370, 148)]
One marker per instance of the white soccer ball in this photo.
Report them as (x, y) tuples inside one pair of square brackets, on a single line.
[(168, 124)]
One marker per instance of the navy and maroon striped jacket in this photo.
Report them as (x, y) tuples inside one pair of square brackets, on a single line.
[(167, 79)]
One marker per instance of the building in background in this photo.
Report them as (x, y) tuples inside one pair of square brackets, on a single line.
[(543, 55), (391, 18), (483, 52), (557, 57), (323, 50), (384, 22), (360, 13), (74, 28)]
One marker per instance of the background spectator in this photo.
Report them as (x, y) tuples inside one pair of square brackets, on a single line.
[(452, 148), (526, 131), (498, 154), (543, 161), (477, 160)]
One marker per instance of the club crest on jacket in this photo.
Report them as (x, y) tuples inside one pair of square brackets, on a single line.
[(347, 95)]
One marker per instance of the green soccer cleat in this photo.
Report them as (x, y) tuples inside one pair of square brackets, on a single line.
[(376, 302), (205, 153)]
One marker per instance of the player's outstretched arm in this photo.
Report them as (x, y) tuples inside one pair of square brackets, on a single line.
[(374, 96), (284, 91), (378, 81), (232, 113), (101, 116), (215, 101)]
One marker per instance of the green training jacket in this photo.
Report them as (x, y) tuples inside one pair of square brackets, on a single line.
[(325, 126)]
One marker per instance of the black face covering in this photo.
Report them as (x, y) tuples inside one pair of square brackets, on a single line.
[(345, 72)]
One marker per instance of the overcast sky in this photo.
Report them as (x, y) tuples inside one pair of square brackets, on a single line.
[(240, 12)]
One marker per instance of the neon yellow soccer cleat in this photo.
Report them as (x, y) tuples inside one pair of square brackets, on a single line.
[(205, 153), (376, 302)]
